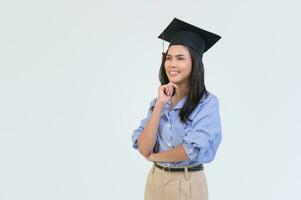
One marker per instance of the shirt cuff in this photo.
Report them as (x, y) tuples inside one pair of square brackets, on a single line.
[(192, 152)]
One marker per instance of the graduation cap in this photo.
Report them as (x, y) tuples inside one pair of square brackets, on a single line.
[(180, 32)]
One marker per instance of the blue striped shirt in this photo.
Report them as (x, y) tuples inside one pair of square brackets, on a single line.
[(200, 137)]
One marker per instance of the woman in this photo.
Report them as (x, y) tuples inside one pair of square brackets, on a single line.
[(182, 129)]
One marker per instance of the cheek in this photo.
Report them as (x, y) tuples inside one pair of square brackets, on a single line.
[(165, 65), (188, 68)]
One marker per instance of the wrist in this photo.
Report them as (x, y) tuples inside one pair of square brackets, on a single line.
[(151, 157), (159, 105)]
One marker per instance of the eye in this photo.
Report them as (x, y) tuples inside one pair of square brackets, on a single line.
[(168, 58)]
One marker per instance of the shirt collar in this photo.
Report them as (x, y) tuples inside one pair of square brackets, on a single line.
[(179, 104)]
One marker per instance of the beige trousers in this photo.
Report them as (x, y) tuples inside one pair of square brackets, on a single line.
[(165, 185)]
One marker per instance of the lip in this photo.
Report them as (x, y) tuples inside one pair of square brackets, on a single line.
[(173, 73)]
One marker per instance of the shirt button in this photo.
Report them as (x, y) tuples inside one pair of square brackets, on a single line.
[(169, 144)]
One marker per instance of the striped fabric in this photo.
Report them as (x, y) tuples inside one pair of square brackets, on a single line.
[(200, 137)]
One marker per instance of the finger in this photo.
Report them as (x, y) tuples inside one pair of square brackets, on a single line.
[(170, 90), (174, 85), (166, 91)]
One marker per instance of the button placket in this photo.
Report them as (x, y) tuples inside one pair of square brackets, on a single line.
[(170, 130)]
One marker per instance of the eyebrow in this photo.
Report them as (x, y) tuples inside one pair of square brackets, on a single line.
[(178, 55)]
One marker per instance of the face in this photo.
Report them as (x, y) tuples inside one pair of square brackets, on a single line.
[(178, 64)]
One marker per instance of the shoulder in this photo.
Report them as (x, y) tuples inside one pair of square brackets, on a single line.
[(209, 98), (206, 99), (206, 103)]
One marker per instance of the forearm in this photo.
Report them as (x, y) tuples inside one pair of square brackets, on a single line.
[(148, 136), (173, 155)]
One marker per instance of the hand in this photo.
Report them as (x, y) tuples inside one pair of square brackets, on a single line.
[(150, 158), (165, 92)]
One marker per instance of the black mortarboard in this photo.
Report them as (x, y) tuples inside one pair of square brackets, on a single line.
[(180, 32)]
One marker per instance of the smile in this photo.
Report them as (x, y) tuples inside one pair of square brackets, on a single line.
[(173, 72)]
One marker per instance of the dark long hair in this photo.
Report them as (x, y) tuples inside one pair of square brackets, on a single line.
[(196, 83)]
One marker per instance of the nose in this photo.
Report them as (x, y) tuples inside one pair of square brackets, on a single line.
[(173, 63)]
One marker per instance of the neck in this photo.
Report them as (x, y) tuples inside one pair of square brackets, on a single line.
[(181, 92)]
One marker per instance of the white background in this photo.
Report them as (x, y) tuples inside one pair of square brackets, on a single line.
[(77, 77)]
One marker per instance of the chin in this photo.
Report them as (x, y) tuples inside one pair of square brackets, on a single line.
[(175, 81)]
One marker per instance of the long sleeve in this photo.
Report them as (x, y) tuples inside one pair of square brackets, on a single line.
[(142, 124), (204, 133)]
